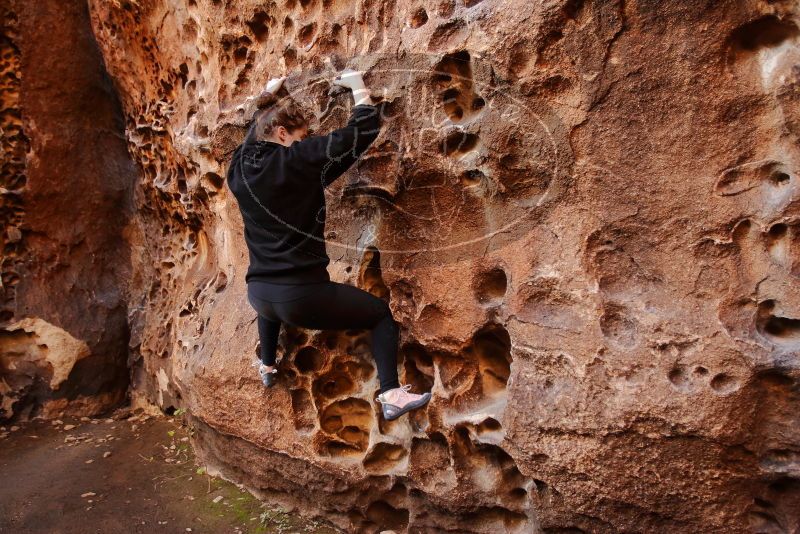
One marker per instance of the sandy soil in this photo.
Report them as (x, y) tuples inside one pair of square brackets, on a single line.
[(133, 473)]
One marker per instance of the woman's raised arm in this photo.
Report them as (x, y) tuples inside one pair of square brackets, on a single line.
[(328, 156)]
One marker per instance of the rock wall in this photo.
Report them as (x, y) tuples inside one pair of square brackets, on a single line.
[(583, 214), (66, 183)]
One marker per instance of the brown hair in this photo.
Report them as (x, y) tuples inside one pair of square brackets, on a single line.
[(272, 111)]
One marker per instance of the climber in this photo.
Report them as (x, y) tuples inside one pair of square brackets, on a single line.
[(278, 175)]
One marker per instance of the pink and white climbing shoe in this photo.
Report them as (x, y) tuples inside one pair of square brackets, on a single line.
[(398, 401)]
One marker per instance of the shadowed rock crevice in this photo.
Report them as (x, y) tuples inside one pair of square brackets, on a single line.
[(66, 189)]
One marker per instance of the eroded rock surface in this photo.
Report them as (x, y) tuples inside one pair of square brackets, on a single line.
[(583, 214), (66, 183)]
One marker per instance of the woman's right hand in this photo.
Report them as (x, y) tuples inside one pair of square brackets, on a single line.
[(274, 85), (350, 78)]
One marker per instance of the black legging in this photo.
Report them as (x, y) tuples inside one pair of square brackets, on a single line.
[(326, 306)]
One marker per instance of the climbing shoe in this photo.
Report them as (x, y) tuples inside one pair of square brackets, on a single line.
[(267, 377), (398, 401)]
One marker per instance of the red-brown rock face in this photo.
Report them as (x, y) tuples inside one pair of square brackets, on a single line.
[(583, 214), (65, 194)]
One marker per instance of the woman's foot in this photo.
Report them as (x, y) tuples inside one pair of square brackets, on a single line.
[(268, 373), (395, 402)]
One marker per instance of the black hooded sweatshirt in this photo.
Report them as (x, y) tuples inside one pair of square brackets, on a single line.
[(280, 191)]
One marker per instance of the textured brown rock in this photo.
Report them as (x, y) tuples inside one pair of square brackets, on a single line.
[(66, 185), (584, 215)]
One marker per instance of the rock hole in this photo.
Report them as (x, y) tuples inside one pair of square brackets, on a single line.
[(777, 231), (774, 379), (418, 366), (349, 420), (384, 457), (455, 372), (309, 360), (333, 384), (459, 142), (747, 176), (387, 517), (724, 383), (240, 55), (419, 17), (572, 9), (766, 32), (338, 448), (290, 57), (214, 180), (370, 277), (306, 33), (780, 178), (780, 460), (490, 286), (763, 522), (445, 8), (454, 75), (259, 26), (329, 41), (700, 370), (518, 493), (779, 330), (678, 377), (447, 33), (491, 346), (505, 519), (541, 486), (472, 177), (779, 244), (489, 425), (398, 492)]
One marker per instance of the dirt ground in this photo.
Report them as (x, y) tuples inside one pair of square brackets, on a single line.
[(133, 473)]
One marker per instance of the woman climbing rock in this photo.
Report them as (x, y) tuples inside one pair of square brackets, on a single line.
[(278, 175)]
